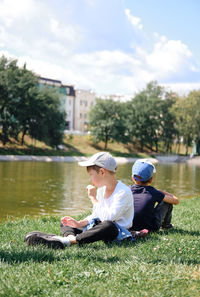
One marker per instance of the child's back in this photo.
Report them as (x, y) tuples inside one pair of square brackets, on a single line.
[(152, 207), (145, 199)]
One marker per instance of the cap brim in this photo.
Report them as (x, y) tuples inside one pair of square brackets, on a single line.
[(86, 163)]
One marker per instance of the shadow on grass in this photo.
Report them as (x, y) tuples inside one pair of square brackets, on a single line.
[(32, 150), (179, 231), (42, 253), (12, 257)]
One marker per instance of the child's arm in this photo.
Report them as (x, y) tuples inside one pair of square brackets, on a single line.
[(68, 221), (170, 198)]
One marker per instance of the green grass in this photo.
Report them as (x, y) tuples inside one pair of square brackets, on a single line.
[(74, 145), (163, 264)]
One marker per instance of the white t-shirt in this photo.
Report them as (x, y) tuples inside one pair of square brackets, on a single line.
[(117, 208)]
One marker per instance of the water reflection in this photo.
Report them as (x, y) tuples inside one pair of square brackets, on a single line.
[(39, 188)]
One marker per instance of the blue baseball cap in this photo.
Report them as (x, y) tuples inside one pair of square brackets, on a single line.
[(143, 170)]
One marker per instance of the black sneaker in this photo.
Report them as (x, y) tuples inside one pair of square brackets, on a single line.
[(167, 226), (49, 240), (36, 233)]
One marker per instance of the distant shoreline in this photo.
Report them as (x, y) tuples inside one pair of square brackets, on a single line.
[(120, 160)]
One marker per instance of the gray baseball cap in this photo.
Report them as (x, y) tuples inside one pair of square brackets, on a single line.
[(103, 160)]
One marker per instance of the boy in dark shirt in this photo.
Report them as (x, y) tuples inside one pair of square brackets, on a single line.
[(152, 208)]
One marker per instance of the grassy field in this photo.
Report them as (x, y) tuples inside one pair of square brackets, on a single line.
[(75, 145), (165, 264)]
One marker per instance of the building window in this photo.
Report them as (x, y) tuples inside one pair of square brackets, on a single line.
[(80, 115), (67, 125)]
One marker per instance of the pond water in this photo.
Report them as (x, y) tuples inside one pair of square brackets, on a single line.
[(41, 188)]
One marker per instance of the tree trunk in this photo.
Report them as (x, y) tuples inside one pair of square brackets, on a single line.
[(23, 135), (5, 134), (106, 142)]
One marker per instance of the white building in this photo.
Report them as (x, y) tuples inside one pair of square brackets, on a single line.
[(67, 98), (84, 101)]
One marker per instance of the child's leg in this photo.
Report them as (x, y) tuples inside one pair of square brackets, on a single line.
[(106, 231), (66, 230), (163, 214)]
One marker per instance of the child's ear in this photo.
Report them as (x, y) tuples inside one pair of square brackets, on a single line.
[(102, 171)]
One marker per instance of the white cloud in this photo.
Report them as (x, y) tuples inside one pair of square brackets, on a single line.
[(135, 21), (182, 88), (64, 32), (168, 56), (11, 10)]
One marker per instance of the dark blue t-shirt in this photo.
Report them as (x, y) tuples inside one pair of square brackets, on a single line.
[(145, 200)]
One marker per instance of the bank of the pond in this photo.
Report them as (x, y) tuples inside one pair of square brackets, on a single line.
[(194, 161), (120, 160), (164, 264)]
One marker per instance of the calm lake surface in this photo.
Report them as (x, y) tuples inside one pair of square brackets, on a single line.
[(40, 188)]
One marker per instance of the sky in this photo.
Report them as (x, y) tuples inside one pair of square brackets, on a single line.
[(108, 46)]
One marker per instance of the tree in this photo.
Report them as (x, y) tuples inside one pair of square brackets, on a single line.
[(27, 109), (149, 119), (107, 122), (144, 120), (9, 74), (168, 131), (48, 122), (186, 111)]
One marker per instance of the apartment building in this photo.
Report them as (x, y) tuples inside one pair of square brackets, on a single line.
[(66, 95), (84, 101)]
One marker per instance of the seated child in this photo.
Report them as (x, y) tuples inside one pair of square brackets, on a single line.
[(152, 207), (112, 213)]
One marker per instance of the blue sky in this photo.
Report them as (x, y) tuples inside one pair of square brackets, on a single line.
[(109, 46)]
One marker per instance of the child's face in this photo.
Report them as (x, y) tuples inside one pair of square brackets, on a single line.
[(96, 178)]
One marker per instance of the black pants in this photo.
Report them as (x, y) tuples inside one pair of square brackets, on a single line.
[(106, 231), (163, 214)]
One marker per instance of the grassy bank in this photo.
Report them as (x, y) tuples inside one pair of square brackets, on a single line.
[(163, 264), (74, 145)]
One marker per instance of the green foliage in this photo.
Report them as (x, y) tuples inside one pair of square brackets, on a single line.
[(48, 122), (146, 120), (107, 121), (149, 120), (9, 77), (164, 264), (187, 113), (27, 109)]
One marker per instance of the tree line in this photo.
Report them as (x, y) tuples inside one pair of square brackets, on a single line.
[(25, 109), (155, 119)]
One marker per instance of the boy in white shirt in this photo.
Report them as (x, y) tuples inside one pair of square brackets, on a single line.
[(112, 213)]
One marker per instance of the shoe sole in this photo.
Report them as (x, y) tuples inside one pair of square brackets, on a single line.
[(36, 238), (37, 233)]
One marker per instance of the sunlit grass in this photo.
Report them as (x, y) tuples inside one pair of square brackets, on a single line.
[(163, 264)]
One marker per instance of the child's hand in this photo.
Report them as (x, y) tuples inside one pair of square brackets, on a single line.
[(68, 221), (91, 191)]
